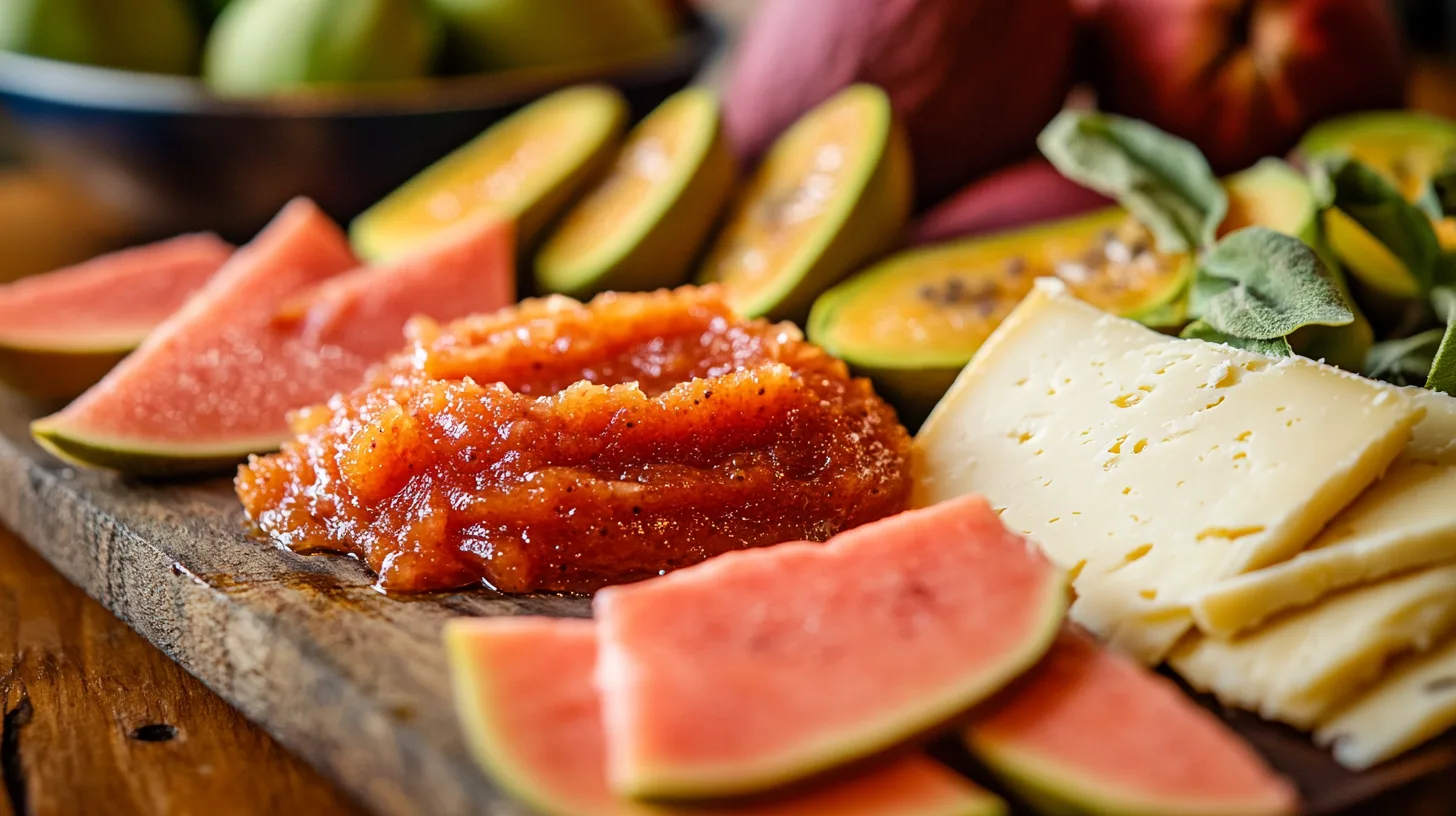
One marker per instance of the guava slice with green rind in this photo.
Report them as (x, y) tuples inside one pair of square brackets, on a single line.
[(914, 320), (62, 331), (642, 225), (286, 323), (1089, 731), (766, 666), (832, 194), (531, 715), (525, 168)]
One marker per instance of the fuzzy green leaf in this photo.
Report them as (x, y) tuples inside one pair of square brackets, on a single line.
[(1259, 284), (1199, 330), (1442, 376), (1375, 204), (1406, 361), (1164, 181)]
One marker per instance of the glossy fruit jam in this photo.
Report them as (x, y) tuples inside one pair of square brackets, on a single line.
[(561, 446)]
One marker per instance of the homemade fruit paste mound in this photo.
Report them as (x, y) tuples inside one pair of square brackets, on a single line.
[(564, 447)]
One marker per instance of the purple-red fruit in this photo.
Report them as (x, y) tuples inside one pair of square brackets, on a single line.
[(973, 81)]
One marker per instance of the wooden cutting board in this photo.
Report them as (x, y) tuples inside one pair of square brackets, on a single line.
[(353, 681)]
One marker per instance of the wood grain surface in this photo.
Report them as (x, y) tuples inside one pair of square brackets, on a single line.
[(93, 718)]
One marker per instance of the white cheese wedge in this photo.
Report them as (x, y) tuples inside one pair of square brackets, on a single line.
[(1404, 521), (1415, 703), (1150, 466), (1302, 666)]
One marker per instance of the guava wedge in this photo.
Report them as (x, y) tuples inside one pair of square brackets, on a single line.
[(526, 168), (1089, 731), (843, 650), (281, 326), (913, 321), (1407, 148), (642, 225), (833, 193), (532, 717), (62, 331), (493, 35)]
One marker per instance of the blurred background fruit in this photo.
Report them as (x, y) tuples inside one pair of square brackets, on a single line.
[(503, 34), (156, 36), (265, 46), (973, 80), (1243, 79)]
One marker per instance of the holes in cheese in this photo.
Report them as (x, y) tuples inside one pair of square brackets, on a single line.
[(1225, 440)]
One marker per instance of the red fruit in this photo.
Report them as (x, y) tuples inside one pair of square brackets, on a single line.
[(1243, 79), (1020, 194), (973, 81)]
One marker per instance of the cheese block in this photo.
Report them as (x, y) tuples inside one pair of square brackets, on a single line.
[(1302, 666), (1150, 466), (1404, 521), (1415, 703)]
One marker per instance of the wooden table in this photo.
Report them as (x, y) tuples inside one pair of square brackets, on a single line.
[(96, 720)]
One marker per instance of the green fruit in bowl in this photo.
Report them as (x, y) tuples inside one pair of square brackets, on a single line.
[(503, 34), (155, 36), (267, 46)]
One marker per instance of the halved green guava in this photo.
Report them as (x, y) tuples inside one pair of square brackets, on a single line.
[(1406, 148), (279, 327), (843, 650), (914, 320), (494, 35), (1089, 731), (526, 168), (832, 194), (531, 715), (62, 331), (643, 224)]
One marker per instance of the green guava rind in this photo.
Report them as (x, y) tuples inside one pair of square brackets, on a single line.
[(865, 221), (604, 110), (655, 247), (495, 662), (144, 459)]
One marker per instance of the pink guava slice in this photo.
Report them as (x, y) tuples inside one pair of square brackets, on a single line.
[(62, 331), (288, 322), (532, 717), (762, 667), (1090, 731)]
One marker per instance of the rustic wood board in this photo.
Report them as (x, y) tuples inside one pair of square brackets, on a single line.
[(354, 681)]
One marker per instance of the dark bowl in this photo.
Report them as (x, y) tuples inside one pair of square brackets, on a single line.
[(168, 156)]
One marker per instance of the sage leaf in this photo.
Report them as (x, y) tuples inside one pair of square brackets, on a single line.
[(1200, 330), (1164, 181), (1258, 284), (1442, 376), (1406, 361), (1375, 204)]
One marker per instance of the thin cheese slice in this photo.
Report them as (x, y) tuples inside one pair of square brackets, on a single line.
[(1149, 466), (1405, 521), (1417, 702), (1434, 438), (1302, 666)]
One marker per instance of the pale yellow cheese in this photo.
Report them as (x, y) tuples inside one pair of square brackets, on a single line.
[(1404, 521), (1415, 703), (1152, 466), (1303, 665)]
